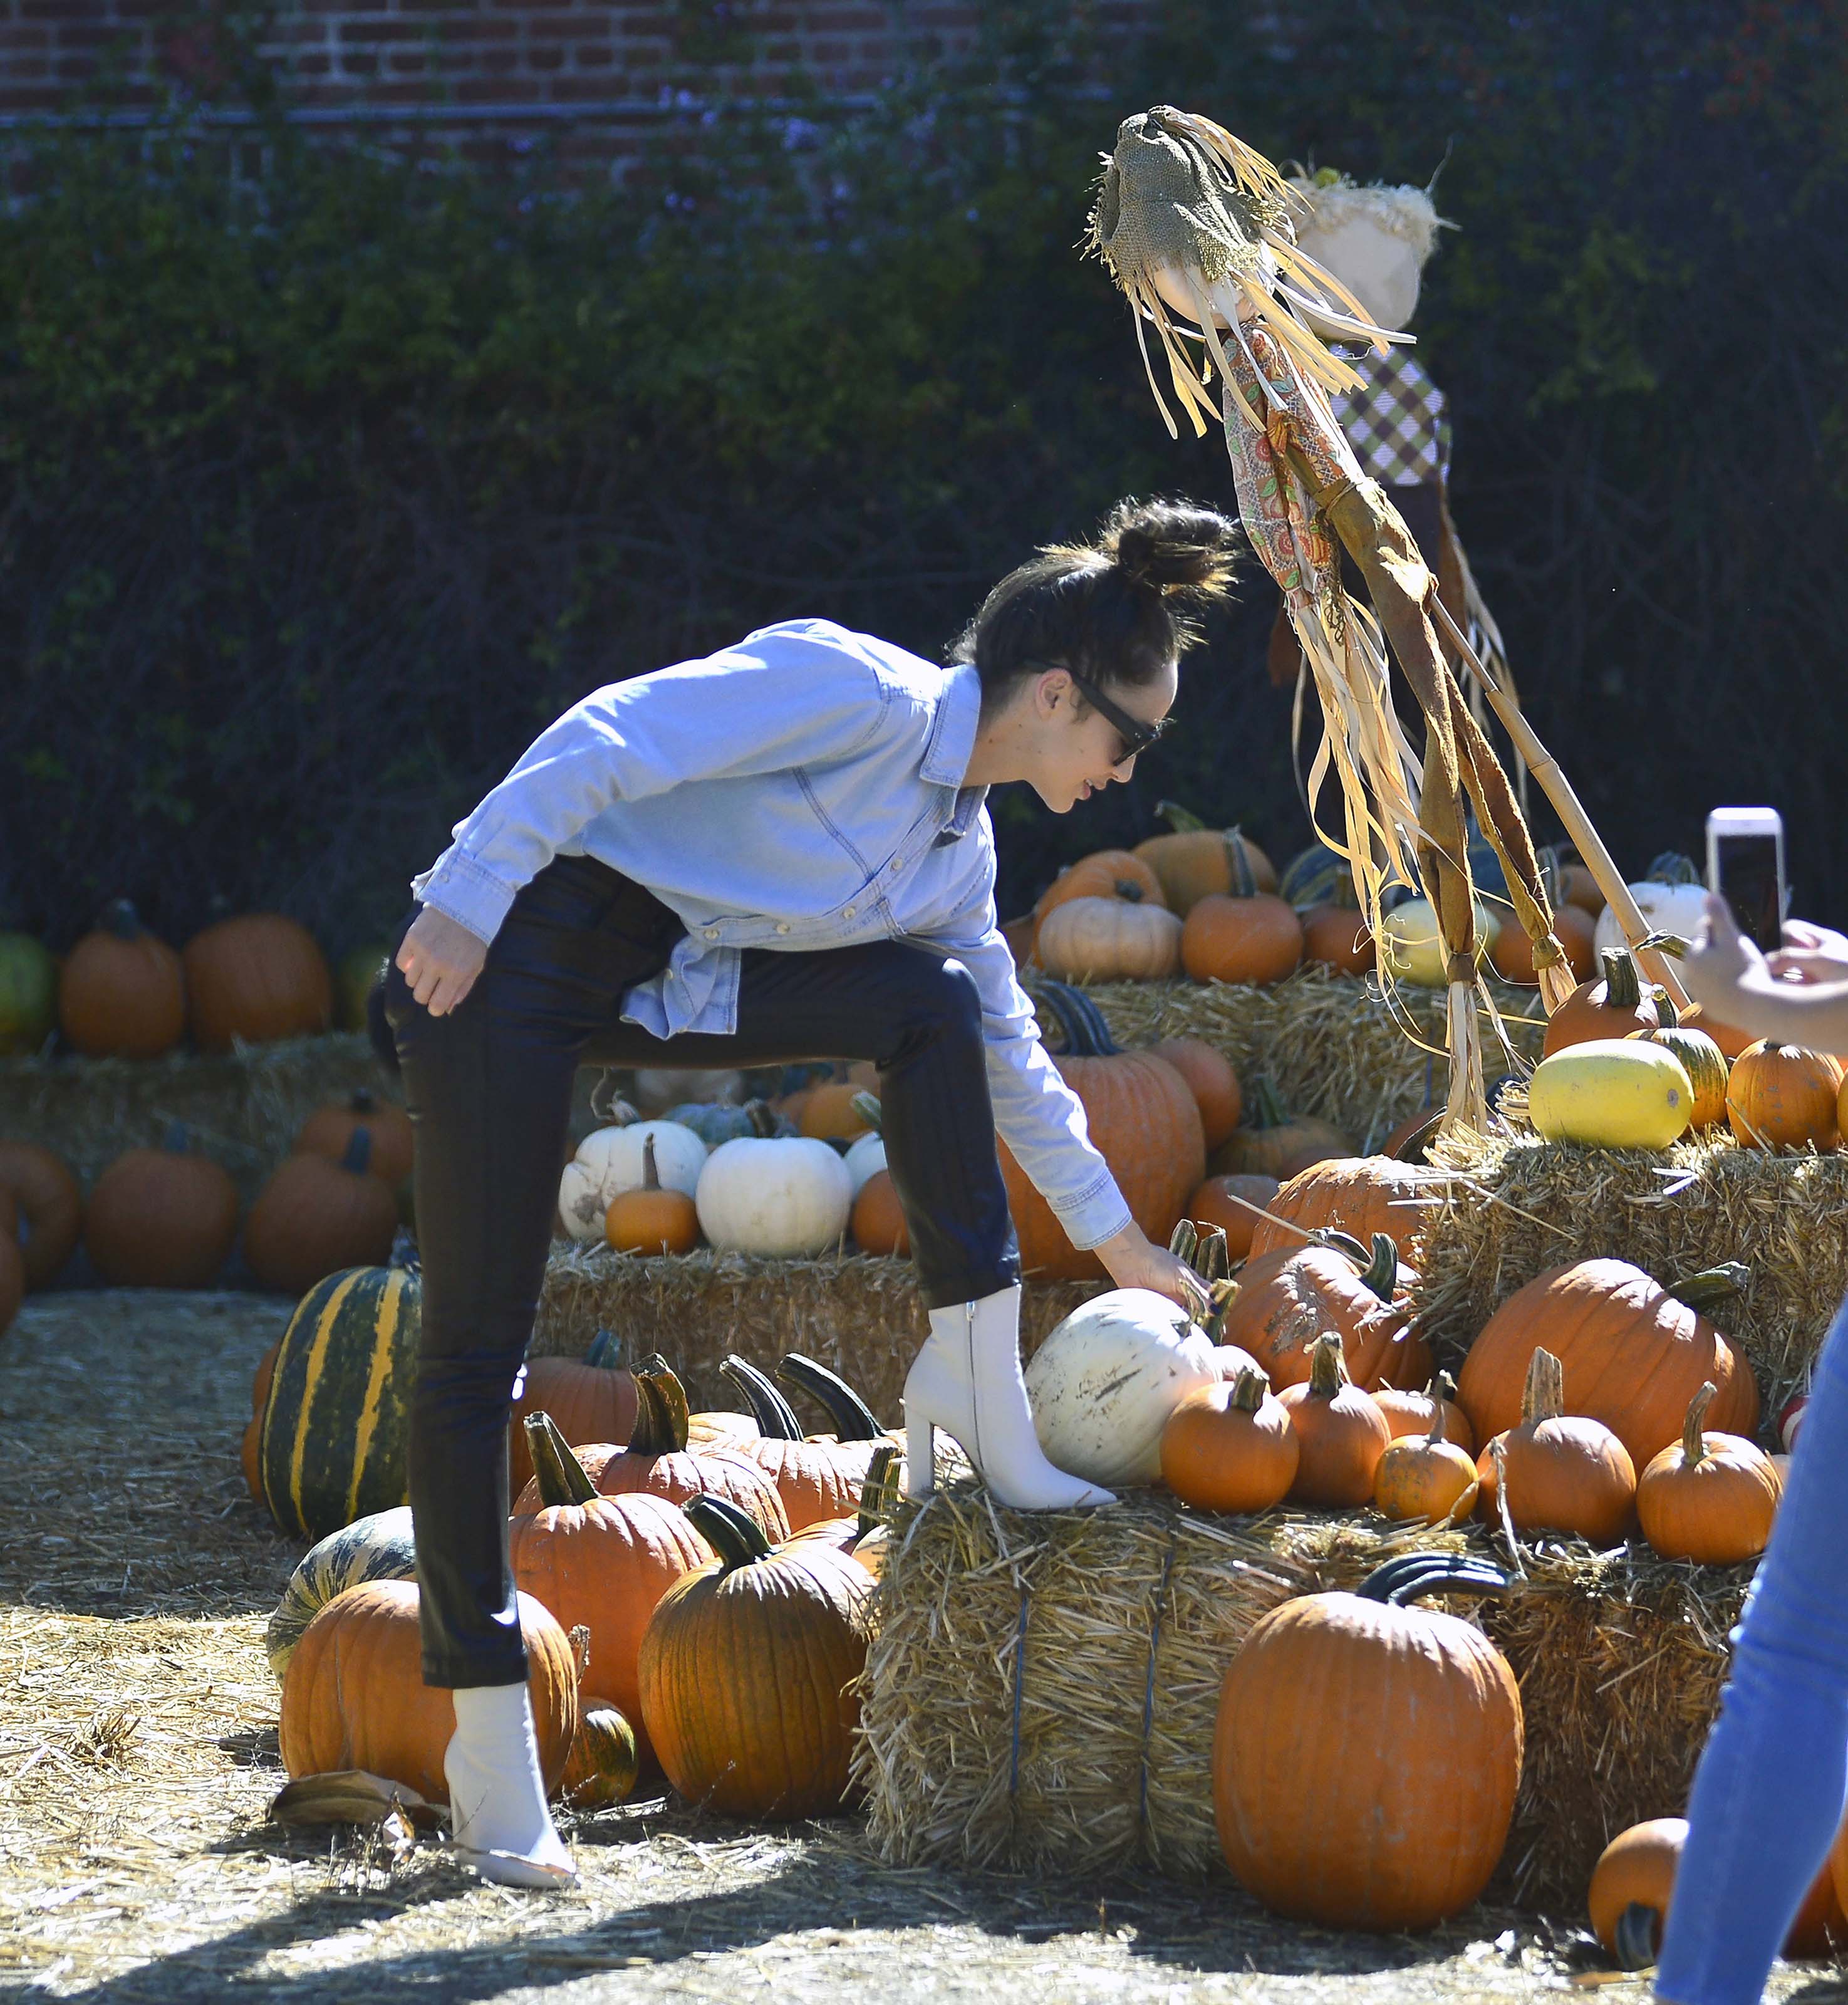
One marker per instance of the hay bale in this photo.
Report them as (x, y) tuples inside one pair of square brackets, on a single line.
[(1043, 1689), (1508, 1210), (859, 1315), (1330, 1043)]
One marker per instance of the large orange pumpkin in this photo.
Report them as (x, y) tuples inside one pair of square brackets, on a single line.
[(162, 1218), (1106, 873), (121, 992), (1210, 1077), (1613, 1005), (328, 1132), (1273, 1143), (1331, 1806), (1143, 1120), (603, 1562), (591, 1398), (1511, 953), (353, 1696), (1195, 862), (1780, 1097), (257, 977), (1360, 1195), (315, 1216), (1634, 1355), (1255, 940), (49, 1203), (1289, 1299)]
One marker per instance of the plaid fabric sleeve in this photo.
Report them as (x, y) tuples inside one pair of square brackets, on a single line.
[(1399, 424)]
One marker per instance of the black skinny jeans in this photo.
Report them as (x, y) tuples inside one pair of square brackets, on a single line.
[(489, 1090)]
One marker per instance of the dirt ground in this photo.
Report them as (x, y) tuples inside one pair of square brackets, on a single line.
[(138, 1753)]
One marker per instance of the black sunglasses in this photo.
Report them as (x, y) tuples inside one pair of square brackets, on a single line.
[(1136, 734)]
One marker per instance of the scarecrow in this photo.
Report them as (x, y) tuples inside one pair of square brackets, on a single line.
[(1200, 232)]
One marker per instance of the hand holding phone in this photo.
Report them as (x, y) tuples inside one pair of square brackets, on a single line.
[(1746, 866)]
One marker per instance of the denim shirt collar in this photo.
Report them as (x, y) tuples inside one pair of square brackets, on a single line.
[(952, 736)]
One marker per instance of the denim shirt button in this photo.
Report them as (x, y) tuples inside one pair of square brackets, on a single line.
[(712, 933), (782, 925), (846, 912)]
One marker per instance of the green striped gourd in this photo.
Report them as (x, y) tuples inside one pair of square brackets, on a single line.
[(331, 1445), (378, 1547)]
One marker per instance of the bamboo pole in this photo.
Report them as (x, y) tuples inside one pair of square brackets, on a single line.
[(1567, 805)]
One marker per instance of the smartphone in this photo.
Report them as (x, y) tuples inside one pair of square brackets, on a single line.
[(1746, 866)]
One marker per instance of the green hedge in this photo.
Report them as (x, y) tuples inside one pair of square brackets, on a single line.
[(323, 491)]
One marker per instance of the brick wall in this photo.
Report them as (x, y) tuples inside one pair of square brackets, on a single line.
[(603, 72)]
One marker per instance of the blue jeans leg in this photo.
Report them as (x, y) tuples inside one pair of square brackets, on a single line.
[(1769, 1794)]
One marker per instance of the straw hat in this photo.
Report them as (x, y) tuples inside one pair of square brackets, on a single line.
[(1374, 240)]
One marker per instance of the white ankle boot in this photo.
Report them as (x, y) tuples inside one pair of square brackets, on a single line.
[(497, 1813), (967, 1380)]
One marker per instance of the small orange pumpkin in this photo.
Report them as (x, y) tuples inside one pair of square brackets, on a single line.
[(1256, 940), (1409, 1413), (1336, 936), (1710, 1496), (1511, 953), (257, 977), (328, 1130), (1341, 1434), (878, 1224), (1564, 1474), (1425, 1478), (1230, 1447), (649, 1219), (1195, 862), (49, 1204), (1780, 1097), (828, 1113), (591, 1400), (165, 1217), (121, 992), (314, 1216), (1211, 1080), (1611, 1006)]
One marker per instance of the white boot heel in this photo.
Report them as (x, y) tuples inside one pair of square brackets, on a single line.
[(920, 1457), (497, 1813), (967, 1380)]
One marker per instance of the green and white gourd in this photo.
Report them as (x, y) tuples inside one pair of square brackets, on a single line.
[(378, 1547)]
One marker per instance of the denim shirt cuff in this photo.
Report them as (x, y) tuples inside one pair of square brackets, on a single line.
[(1094, 1214), (460, 889)]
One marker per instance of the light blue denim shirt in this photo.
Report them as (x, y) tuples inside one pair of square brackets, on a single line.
[(800, 791)]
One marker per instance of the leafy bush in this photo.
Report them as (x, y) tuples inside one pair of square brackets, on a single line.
[(325, 491)]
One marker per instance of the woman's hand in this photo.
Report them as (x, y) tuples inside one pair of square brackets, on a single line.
[(440, 959), (1135, 1261), (1811, 953), (1733, 982)]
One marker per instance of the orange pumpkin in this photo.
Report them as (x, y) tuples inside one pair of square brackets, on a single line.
[(1195, 862), (1106, 873), (353, 1696), (1211, 1079), (815, 1480), (328, 1132), (878, 1224), (1634, 1354), (1426, 1479), (162, 1218), (1613, 1006), (1224, 1202), (1409, 1413), (649, 1220), (314, 1217), (1287, 1300), (121, 992), (1511, 953), (1360, 1195), (1562, 1472), (591, 1400), (1273, 1143), (1230, 1447), (829, 1114), (49, 1204), (1709, 1497), (1780, 1097), (1256, 940), (1143, 1120), (602, 1562), (1337, 937), (257, 977), (1340, 1434)]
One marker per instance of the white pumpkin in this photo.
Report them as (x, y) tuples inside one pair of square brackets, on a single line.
[(1671, 899), (1103, 1384), (609, 1162), (791, 1198), (866, 1158), (1414, 953)]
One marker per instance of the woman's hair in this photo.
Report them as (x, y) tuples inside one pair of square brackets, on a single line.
[(1110, 609)]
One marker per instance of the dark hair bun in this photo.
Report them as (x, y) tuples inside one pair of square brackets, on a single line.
[(1174, 546)]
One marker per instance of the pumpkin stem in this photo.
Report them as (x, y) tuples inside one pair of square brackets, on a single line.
[(1435, 1436), (1213, 1261), (358, 1158), (119, 918), (775, 1417), (880, 1490), (1623, 989), (651, 1174), (1543, 1397), (853, 1418), (1269, 1108), (867, 1106), (1636, 1936), (1413, 1575), (737, 1538), (1086, 1033), (1183, 1242), (562, 1477), (1238, 864), (1328, 1366), (1694, 1447), (1671, 867), (1713, 1287), (660, 1414), (1224, 1292), (362, 1100), (1182, 821), (177, 1140), (1250, 1389), (404, 1251), (1381, 1272), (1338, 1241), (605, 1352), (763, 1121)]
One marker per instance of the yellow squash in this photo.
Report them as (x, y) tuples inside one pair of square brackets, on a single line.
[(1610, 1093)]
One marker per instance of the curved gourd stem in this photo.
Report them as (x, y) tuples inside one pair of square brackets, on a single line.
[(762, 1117), (605, 1352), (1212, 1261), (1694, 1447), (853, 1419), (661, 1413), (1623, 986), (1223, 1294), (1415, 1575), (1381, 1272), (404, 1251), (651, 1172), (1638, 1928), (358, 1158), (775, 1417), (1435, 1438), (879, 1492), (737, 1538), (1267, 1107), (562, 1477), (867, 1107), (1183, 1242), (1713, 1287)]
